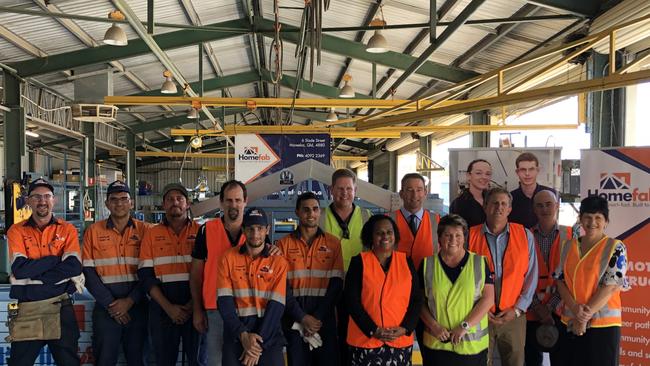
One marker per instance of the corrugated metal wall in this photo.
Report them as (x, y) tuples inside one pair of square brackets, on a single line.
[(167, 172)]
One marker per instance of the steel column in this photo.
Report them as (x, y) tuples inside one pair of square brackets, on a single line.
[(88, 163), (479, 139), (14, 128), (130, 165), (605, 109)]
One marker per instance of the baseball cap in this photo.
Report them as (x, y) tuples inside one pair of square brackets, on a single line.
[(175, 187), (40, 182), (255, 216), (116, 187)]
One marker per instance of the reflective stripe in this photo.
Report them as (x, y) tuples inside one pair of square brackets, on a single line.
[(434, 231), (564, 253), (314, 273), (88, 263), (336, 273), (476, 336), (268, 295), (365, 214), (16, 256), (224, 291), (147, 263), (478, 277), (71, 254), (113, 261), (309, 291), (174, 277), (172, 259), (428, 286), (119, 278), (24, 281), (606, 312), (250, 311)]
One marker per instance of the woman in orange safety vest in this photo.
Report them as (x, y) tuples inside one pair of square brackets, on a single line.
[(591, 276), (383, 298)]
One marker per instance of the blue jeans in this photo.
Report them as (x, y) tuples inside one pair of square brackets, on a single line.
[(214, 338)]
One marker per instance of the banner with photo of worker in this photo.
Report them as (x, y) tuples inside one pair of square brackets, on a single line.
[(260, 155), (504, 172), (622, 176)]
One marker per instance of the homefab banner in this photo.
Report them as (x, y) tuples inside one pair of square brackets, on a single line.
[(622, 176), (259, 155)]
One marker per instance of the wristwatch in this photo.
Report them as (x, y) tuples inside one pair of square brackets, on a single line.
[(464, 325), (518, 313)]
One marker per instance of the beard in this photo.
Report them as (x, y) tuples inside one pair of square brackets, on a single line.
[(233, 214), (309, 225), (255, 245), (41, 211)]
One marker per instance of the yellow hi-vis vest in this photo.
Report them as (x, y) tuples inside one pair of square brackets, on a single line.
[(451, 303), (352, 245)]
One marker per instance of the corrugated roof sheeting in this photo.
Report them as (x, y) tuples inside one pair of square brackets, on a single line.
[(8, 51), (211, 11), (44, 33)]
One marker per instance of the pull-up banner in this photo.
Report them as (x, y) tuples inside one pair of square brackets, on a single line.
[(260, 155), (622, 176)]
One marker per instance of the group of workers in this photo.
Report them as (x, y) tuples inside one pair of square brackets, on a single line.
[(345, 288)]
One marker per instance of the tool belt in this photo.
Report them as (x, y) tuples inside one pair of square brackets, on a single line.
[(36, 320)]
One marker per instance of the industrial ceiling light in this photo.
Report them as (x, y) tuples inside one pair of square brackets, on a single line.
[(31, 134), (115, 36), (192, 113), (331, 116), (196, 142), (347, 91), (179, 139), (168, 87), (377, 43)]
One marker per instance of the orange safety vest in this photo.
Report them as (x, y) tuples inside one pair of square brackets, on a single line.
[(545, 282), (425, 242), (515, 261), (217, 242), (582, 277), (385, 297)]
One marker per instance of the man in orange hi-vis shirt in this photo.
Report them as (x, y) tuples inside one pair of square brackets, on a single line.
[(251, 297), (111, 249), (45, 271), (164, 271)]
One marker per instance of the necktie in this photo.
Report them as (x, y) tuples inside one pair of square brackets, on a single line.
[(412, 224)]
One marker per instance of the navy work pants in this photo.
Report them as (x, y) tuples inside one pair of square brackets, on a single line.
[(109, 336), (64, 350)]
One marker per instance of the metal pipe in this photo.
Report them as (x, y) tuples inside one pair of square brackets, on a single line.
[(201, 69), (6, 9), (150, 23), (433, 20)]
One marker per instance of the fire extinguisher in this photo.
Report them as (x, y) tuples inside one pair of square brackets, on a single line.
[(89, 210)]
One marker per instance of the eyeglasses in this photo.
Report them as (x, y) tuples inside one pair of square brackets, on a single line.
[(42, 197), (119, 199)]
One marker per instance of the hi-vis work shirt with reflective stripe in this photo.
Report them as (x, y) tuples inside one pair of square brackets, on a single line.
[(43, 261), (451, 303), (425, 242), (165, 258), (112, 258), (351, 245), (314, 269), (582, 274), (251, 294)]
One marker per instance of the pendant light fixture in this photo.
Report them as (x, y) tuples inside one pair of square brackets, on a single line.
[(115, 36), (168, 87), (346, 91), (331, 116)]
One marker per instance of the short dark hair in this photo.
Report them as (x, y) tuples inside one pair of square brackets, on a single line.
[(471, 164), (369, 228), (413, 176), (493, 192), (452, 220), (304, 197), (527, 156), (594, 205), (343, 173), (232, 184)]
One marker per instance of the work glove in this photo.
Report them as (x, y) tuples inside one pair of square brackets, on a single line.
[(79, 282), (313, 340)]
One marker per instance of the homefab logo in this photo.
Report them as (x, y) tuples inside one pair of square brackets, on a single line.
[(251, 153), (617, 187)]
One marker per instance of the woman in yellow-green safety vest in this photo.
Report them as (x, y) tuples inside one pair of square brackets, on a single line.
[(459, 292)]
